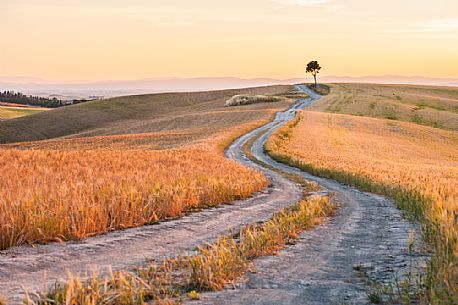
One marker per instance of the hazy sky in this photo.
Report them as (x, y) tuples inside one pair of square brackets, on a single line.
[(130, 39)]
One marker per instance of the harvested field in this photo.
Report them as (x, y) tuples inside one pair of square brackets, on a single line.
[(424, 105), (143, 114)]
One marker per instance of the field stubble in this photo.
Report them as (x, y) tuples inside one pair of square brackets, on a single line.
[(424, 105)]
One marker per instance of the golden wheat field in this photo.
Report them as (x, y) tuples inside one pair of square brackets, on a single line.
[(49, 194), (76, 187), (415, 158), (416, 165)]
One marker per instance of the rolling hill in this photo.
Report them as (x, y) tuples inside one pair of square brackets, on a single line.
[(141, 114)]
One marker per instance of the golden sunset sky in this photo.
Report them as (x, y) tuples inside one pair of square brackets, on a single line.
[(133, 39)]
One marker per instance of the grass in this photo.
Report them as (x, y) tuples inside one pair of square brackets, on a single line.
[(64, 195), (374, 298), (165, 112), (11, 112), (321, 89), (211, 268), (425, 105), (415, 165), (66, 189)]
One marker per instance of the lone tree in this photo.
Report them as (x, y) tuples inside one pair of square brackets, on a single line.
[(314, 68)]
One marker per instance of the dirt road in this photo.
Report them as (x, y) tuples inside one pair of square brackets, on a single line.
[(26, 266), (334, 264), (368, 231)]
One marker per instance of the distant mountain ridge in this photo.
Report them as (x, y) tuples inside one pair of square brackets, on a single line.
[(110, 88)]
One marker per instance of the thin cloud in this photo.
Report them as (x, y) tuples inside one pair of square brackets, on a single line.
[(327, 6), (174, 23), (274, 38), (301, 2), (334, 8), (430, 26)]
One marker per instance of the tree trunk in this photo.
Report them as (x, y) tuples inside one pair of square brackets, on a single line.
[(314, 76)]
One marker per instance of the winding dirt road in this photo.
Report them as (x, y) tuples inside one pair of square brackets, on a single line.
[(367, 241), (368, 231), (26, 266)]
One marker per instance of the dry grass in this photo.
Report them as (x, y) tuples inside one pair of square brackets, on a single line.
[(212, 268), (416, 165), (63, 189), (189, 130), (48, 195), (141, 114), (321, 89), (424, 105)]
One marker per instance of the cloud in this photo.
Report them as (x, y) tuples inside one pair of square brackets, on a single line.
[(327, 6), (275, 38), (302, 2), (333, 8), (174, 23), (439, 25), (430, 26)]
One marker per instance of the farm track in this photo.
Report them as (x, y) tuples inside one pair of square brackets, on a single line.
[(368, 231), (365, 242)]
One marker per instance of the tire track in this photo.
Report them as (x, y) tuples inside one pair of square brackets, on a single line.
[(366, 241), (27, 267), (316, 270)]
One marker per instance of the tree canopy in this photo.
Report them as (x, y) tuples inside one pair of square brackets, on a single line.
[(314, 68)]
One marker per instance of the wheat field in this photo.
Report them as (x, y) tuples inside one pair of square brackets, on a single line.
[(146, 158), (124, 162), (52, 195), (416, 165)]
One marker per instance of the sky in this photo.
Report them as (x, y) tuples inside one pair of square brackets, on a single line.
[(135, 39)]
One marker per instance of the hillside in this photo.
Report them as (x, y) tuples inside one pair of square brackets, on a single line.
[(126, 175), (424, 105), (11, 112), (140, 114)]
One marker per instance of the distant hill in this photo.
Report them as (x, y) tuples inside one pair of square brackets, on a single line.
[(100, 89), (94, 90), (140, 114)]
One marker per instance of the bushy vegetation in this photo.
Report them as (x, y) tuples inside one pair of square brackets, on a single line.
[(19, 98), (414, 165), (321, 89), (247, 99)]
